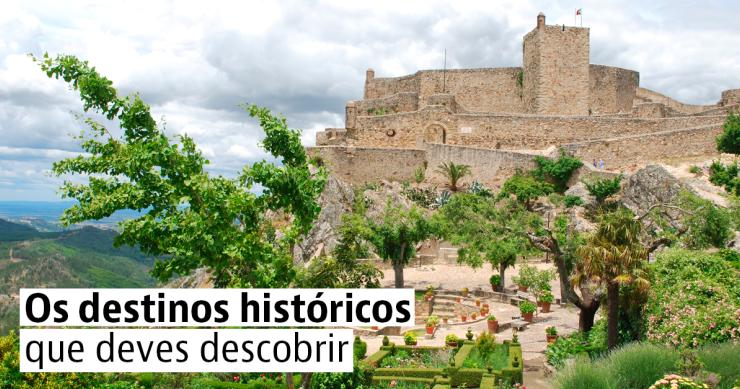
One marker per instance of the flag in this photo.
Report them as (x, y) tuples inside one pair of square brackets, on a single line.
[(578, 11)]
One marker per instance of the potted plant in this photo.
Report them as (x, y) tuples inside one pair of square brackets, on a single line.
[(545, 300), (483, 312), (445, 319), (492, 324), (486, 306), (432, 322), (477, 302), (551, 334), (527, 309), (463, 317), (451, 340), (374, 328), (469, 334), (465, 292), (409, 338), (527, 276), (458, 300), (429, 293), (495, 281), (474, 315)]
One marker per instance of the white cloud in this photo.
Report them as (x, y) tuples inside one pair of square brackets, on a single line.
[(194, 62)]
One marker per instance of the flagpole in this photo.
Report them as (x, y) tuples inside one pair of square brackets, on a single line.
[(575, 17)]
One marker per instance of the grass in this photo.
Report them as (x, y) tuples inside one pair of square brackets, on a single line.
[(418, 359), (497, 360), (639, 365)]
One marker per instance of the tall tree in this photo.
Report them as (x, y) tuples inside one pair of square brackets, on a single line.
[(484, 231), (396, 235), (614, 256), (189, 216)]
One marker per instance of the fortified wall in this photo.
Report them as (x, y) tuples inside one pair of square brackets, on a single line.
[(557, 98)]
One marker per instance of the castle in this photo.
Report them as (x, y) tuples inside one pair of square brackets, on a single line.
[(498, 119)]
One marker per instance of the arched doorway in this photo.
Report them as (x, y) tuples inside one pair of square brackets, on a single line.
[(435, 133)]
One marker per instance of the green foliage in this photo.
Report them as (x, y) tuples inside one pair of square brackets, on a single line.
[(485, 343), (584, 375), (725, 176), (423, 197), (419, 174), (451, 338), (707, 224), (442, 199), (557, 171), (487, 354), (604, 188), (453, 172), (479, 189), (693, 169), (729, 140), (547, 297), (639, 365), (396, 235), (495, 279), (527, 277), (409, 338), (525, 188), (722, 359), (484, 231), (193, 218), (10, 232), (694, 299), (572, 201), (359, 348), (527, 307), (358, 378), (552, 331)]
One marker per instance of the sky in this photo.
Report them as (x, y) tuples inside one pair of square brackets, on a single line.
[(195, 62)]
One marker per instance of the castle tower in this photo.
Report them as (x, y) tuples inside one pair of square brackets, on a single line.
[(556, 70)]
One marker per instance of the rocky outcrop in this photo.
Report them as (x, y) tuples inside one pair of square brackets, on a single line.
[(337, 199), (651, 185)]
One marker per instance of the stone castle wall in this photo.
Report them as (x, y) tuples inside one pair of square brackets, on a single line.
[(361, 165), (488, 166), (508, 132), (612, 89), (556, 70)]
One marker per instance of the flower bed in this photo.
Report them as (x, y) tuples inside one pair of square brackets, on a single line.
[(426, 365)]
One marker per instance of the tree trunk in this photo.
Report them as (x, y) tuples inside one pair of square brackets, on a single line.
[(289, 381), (502, 273), (306, 380), (612, 295), (398, 268), (587, 315)]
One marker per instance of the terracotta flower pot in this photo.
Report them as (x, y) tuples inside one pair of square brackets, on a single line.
[(528, 316), (523, 288), (486, 306), (464, 318), (374, 328), (477, 303), (451, 344), (539, 303), (444, 320), (551, 338), (545, 307), (494, 287), (459, 300), (430, 330), (493, 326), (474, 315)]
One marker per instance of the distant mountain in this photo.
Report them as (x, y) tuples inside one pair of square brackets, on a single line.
[(78, 258)]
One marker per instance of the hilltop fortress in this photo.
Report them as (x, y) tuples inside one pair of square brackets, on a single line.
[(498, 119)]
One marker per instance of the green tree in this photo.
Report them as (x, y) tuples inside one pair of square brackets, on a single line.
[(557, 171), (705, 223), (453, 172), (190, 217), (729, 140), (395, 236), (603, 188), (484, 231), (525, 188), (614, 256)]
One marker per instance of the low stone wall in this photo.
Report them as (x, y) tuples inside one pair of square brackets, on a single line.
[(650, 95), (490, 167), (360, 165), (633, 151)]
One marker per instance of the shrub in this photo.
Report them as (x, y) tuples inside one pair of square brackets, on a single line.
[(725, 176), (552, 331), (527, 307), (485, 343), (585, 375), (693, 300), (451, 338), (409, 338), (419, 174), (423, 197), (707, 224), (479, 189), (442, 199), (557, 171), (432, 321), (547, 298), (638, 365), (729, 140), (693, 169), (495, 279), (572, 201), (722, 359), (386, 341), (525, 188), (604, 188), (359, 348), (527, 275)]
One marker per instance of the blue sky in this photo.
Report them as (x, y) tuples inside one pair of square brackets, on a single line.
[(194, 62)]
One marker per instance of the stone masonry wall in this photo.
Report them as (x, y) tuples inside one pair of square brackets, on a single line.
[(509, 132), (640, 150), (556, 60), (612, 89), (360, 165)]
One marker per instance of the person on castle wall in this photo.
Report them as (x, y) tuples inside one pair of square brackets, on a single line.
[(601, 164), (595, 163)]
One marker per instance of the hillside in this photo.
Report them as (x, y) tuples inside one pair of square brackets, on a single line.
[(71, 259)]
